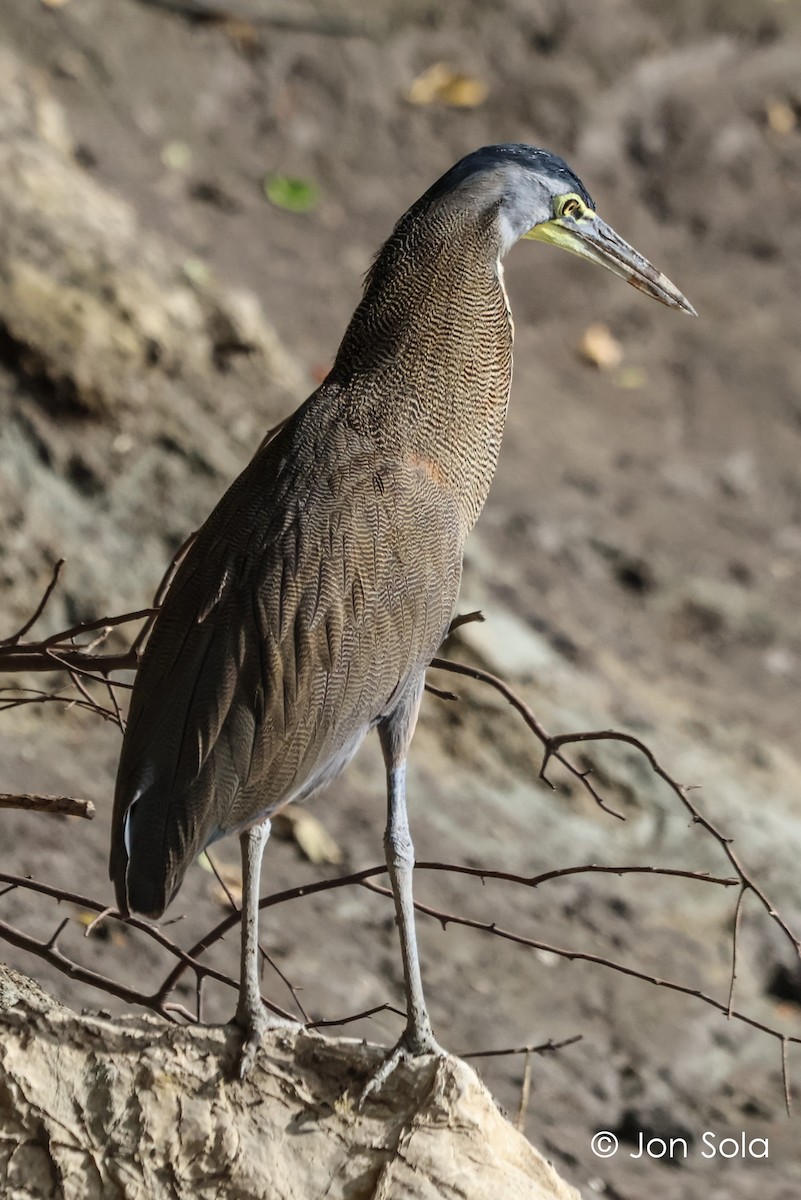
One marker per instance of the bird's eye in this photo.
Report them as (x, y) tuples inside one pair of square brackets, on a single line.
[(570, 206)]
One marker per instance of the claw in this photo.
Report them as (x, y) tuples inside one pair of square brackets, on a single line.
[(408, 1047), (247, 1053), (254, 1026)]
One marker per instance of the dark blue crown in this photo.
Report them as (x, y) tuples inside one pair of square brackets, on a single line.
[(531, 158)]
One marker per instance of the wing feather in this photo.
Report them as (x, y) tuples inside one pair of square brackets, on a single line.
[(305, 603)]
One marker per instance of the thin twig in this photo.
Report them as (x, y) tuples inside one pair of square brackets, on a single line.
[(552, 746), (735, 942), (440, 693), (468, 618), (236, 908), (52, 941), (357, 877), (37, 612), (788, 1098), (697, 817), (69, 806), (95, 924), (81, 627), (161, 592), (525, 1093), (58, 651), (157, 1002), (534, 881), (542, 1048), (368, 1012), (59, 698), (60, 659), (80, 687), (446, 918), (54, 956), (520, 706), (218, 876), (117, 710)]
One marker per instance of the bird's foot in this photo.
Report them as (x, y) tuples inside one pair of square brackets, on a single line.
[(412, 1044), (255, 1022)]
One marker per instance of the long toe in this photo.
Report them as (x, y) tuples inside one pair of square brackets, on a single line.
[(408, 1047), (248, 1051), (254, 1025)]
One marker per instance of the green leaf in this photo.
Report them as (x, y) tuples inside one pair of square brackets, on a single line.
[(294, 195)]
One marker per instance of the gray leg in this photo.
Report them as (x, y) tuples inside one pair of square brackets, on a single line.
[(400, 865), (417, 1039), (250, 1012)]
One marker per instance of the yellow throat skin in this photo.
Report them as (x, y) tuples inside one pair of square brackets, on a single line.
[(577, 228)]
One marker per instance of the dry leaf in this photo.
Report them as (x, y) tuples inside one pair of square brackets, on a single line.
[(781, 116), (104, 930), (231, 878), (224, 897), (243, 34), (176, 156), (196, 271), (309, 835), (631, 378), (600, 347), (54, 3), (440, 84), (228, 886)]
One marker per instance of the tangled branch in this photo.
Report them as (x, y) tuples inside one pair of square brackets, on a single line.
[(69, 652), (552, 749), (60, 651), (157, 1001)]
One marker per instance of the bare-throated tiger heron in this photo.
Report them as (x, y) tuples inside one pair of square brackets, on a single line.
[(314, 597)]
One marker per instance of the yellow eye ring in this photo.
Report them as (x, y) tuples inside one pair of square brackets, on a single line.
[(570, 206)]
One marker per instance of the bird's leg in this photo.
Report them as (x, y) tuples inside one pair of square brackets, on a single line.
[(417, 1038), (251, 1014)]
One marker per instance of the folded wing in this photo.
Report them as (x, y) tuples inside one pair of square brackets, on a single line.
[(320, 586)]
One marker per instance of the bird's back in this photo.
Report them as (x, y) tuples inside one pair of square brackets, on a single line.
[(323, 582), (319, 587)]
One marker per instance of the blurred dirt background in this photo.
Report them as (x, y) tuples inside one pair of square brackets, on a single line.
[(638, 561)]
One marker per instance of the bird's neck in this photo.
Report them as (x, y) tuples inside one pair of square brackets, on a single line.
[(426, 362)]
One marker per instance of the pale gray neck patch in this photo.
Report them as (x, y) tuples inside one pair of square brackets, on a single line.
[(518, 199), (526, 201), (510, 232)]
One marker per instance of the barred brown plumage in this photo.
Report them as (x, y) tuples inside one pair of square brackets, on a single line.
[(312, 600)]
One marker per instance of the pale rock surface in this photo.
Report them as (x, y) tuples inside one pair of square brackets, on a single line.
[(95, 1109)]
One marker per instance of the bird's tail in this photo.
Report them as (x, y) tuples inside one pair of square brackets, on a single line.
[(148, 860)]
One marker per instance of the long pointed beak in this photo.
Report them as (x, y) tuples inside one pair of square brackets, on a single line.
[(591, 238)]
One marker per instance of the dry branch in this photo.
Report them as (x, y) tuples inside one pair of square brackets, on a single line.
[(552, 747), (85, 666), (69, 806)]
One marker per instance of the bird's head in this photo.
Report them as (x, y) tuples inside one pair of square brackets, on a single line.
[(536, 195)]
